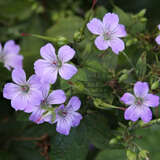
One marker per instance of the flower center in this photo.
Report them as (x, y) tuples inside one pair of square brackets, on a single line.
[(44, 104), (139, 101), (107, 36), (62, 113), (25, 88), (57, 63)]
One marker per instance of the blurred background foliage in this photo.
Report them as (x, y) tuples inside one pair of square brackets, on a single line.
[(101, 75)]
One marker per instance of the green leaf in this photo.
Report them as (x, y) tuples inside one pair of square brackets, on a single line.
[(114, 154), (98, 131), (75, 145), (65, 27)]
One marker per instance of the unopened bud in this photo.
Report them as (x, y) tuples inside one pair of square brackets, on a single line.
[(123, 77), (131, 155), (155, 85), (61, 41)]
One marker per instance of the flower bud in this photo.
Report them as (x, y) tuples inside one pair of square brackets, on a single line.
[(143, 154), (131, 155), (61, 41), (155, 85), (123, 77)]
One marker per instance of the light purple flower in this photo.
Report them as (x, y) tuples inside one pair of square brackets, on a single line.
[(140, 103), (109, 32), (44, 111), (49, 67), (158, 37), (9, 55), (23, 94), (67, 117)]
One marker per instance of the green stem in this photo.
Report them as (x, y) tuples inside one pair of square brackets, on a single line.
[(129, 61)]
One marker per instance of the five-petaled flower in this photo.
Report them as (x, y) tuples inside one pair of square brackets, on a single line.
[(109, 32), (140, 103), (44, 111), (23, 94), (158, 37), (9, 55), (48, 68), (67, 117)]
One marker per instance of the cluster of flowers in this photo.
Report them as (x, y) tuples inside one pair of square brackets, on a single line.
[(35, 96)]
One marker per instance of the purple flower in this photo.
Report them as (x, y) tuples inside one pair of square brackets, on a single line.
[(158, 37), (67, 117), (44, 111), (9, 55), (23, 94), (140, 103), (49, 67), (109, 32)]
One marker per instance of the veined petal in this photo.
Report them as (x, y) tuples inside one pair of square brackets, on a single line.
[(46, 71), (67, 71), (151, 100), (95, 26), (19, 76), (19, 102), (119, 31), (56, 97), (74, 104), (36, 116), (66, 53), (146, 114), (141, 89), (48, 52), (76, 118), (34, 81), (158, 39), (128, 98), (11, 47), (64, 126), (117, 45), (131, 113), (110, 21), (11, 90), (100, 43), (13, 61)]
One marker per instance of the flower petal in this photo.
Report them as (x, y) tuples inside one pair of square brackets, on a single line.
[(74, 104), (13, 61), (48, 52), (11, 47), (76, 118), (66, 53), (158, 40), (95, 26), (19, 102), (141, 89), (19, 76), (120, 31), (34, 81), (64, 126), (100, 43), (117, 45), (159, 26), (67, 71), (36, 116), (128, 98), (11, 90), (110, 21), (151, 100), (46, 71), (56, 97), (146, 114), (131, 113)]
